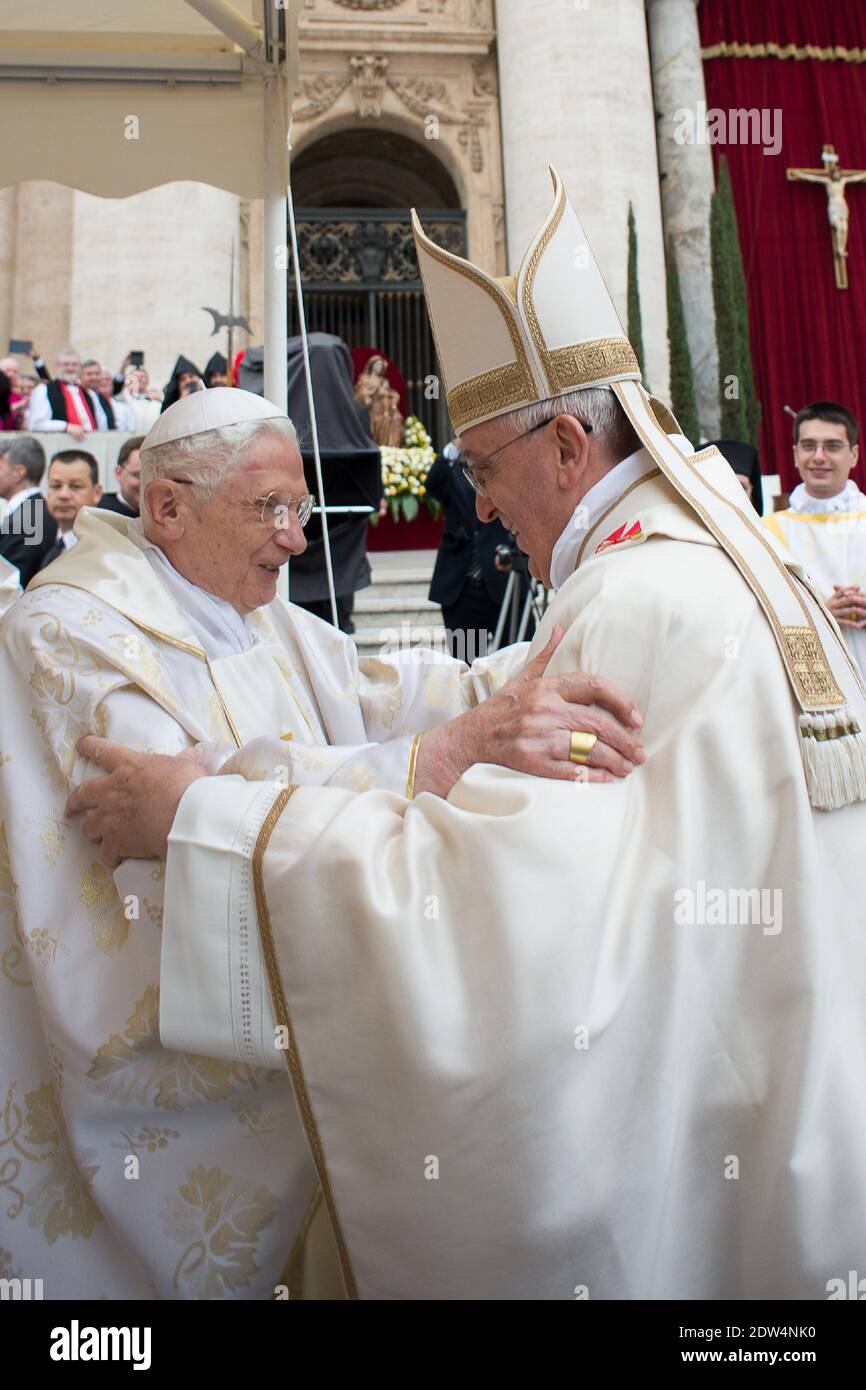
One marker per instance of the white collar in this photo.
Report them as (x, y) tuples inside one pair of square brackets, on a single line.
[(591, 506), (20, 498), (220, 629), (850, 499)]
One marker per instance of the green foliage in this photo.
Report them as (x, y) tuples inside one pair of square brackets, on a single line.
[(740, 409), (683, 401), (635, 327)]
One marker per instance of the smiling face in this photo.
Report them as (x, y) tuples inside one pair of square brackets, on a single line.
[(534, 484), (68, 366), (823, 457), (223, 545)]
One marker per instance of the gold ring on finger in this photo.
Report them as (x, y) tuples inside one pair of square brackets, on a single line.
[(581, 746)]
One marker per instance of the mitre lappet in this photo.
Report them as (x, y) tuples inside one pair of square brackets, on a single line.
[(553, 328)]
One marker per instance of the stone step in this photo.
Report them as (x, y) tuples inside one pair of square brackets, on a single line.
[(370, 601), (370, 639), (408, 585)]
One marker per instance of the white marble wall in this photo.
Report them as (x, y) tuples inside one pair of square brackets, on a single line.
[(575, 92)]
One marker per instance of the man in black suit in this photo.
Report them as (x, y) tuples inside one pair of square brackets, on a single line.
[(28, 532), (127, 471), (466, 583)]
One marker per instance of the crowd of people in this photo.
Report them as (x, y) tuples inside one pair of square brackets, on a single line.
[(83, 395), (473, 560)]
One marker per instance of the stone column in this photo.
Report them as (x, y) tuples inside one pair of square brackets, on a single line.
[(8, 223), (44, 246), (145, 266), (687, 185), (575, 92)]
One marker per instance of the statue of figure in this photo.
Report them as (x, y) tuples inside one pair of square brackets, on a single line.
[(374, 391), (835, 181)]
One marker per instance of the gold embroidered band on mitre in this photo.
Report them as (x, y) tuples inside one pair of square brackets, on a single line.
[(567, 368)]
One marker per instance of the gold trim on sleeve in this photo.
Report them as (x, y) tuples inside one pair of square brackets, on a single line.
[(413, 762), (281, 1015)]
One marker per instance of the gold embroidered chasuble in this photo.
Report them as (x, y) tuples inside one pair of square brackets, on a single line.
[(128, 1170), (532, 1026)]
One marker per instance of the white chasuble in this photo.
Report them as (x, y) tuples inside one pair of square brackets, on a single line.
[(827, 537), (561, 1040), (128, 1170)]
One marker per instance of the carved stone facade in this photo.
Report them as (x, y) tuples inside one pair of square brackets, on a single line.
[(423, 69)]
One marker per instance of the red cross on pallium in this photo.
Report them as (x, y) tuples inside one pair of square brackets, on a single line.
[(634, 533)]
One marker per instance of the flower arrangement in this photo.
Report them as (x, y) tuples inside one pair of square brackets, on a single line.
[(404, 473)]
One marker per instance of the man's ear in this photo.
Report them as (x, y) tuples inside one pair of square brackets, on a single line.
[(97, 491), (161, 498), (572, 441)]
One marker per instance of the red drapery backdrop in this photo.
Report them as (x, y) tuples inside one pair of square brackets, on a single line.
[(807, 336)]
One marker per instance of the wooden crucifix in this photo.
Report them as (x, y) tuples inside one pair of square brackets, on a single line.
[(834, 180)]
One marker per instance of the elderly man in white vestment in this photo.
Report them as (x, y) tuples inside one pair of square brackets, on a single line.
[(129, 1170), (553, 1039), (824, 524)]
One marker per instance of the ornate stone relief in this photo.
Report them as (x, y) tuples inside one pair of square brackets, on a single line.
[(423, 96), (369, 73)]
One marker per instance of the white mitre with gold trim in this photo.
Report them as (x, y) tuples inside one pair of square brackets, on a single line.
[(550, 328), (553, 328)]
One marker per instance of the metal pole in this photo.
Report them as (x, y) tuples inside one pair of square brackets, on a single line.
[(320, 484), (234, 25)]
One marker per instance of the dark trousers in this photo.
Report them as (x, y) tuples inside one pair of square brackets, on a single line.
[(470, 621), (321, 608)]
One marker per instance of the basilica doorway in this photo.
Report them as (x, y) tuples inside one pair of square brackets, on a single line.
[(353, 191)]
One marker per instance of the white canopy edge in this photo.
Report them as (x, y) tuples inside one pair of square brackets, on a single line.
[(124, 97)]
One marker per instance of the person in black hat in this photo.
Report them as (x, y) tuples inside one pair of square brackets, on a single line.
[(216, 372), (183, 378), (744, 460)]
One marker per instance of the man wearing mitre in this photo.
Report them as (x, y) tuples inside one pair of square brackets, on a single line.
[(556, 1040), (136, 1171)]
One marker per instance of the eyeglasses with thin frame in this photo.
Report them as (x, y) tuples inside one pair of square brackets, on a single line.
[(470, 471), (274, 511)]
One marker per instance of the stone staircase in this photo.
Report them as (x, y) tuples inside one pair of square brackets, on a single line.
[(395, 608)]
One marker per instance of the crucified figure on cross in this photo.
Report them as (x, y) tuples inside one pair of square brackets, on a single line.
[(835, 181)]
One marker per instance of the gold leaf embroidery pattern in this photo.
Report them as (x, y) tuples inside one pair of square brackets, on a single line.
[(51, 839), (99, 898), (148, 1138), (253, 1119), (137, 1068), (61, 1204), (441, 691), (219, 1218), (13, 961)]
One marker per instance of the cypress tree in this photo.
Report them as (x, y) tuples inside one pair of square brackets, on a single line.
[(740, 414), (683, 401), (635, 328)]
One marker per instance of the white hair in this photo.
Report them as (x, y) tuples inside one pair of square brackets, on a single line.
[(597, 405), (207, 459)]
